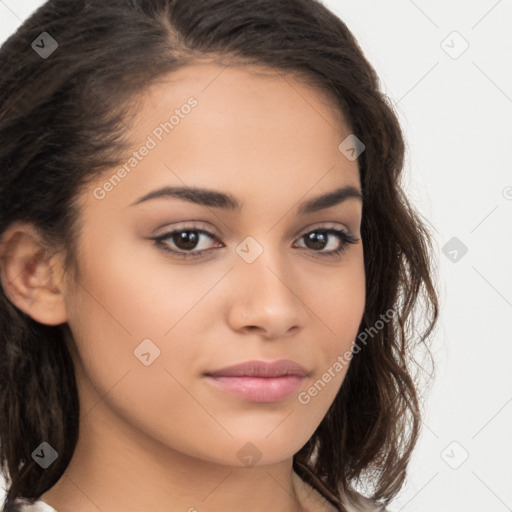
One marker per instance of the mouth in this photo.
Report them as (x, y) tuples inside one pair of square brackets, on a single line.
[(259, 381)]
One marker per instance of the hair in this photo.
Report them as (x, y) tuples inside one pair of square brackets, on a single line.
[(63, 122)]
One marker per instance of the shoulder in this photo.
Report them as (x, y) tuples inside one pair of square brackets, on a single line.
[(312, 501), (309, 498), (360, 503), (37, 506)]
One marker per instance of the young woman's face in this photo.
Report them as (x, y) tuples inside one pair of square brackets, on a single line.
[(262, 283)]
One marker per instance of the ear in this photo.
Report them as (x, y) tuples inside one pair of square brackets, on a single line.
[(32, 278)]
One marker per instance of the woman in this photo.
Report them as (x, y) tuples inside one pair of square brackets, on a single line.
[(189, 320)]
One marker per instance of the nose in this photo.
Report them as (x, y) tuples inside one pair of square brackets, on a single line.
[(265, 298)]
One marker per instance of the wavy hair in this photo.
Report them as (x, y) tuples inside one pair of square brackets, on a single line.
[(62, 122)]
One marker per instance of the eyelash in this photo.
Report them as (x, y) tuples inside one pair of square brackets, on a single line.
[(345, 238)]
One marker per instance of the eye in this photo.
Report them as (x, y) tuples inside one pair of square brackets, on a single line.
[(320, 239), (186, 242)]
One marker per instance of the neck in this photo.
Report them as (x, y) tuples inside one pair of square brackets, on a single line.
[(121, 470)]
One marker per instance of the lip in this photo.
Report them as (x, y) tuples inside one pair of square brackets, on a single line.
[(260, 381), (279, 368)]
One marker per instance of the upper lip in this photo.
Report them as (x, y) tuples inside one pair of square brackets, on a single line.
[(261, 369)]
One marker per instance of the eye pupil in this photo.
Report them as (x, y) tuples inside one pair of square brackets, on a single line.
[(316, 240), (186, 239)]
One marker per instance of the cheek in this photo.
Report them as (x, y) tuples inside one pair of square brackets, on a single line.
[(132, 307), (340, 308), (118, 319), (341, 305), (130, 289)]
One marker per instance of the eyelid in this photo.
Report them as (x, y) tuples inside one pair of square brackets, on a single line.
[(183, 226), (324, 225), (200, 225), (344, 235)]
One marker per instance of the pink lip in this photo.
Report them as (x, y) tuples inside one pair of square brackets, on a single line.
[(259, 381)]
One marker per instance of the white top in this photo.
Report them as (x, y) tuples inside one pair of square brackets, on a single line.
[(38, 506), (313, 501), (309, 498)]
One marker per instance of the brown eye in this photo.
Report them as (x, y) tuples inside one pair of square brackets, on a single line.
[(185, 239), (316, 240), (182, 242), (319, 239)]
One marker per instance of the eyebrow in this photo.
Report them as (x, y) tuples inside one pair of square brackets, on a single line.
[(215, 199)]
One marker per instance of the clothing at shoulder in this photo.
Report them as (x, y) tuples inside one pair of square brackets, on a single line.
[(313, 501), (309, 498), (37, 506), (366, 505)]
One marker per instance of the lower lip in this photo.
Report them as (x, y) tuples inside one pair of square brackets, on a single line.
[(259, 389)]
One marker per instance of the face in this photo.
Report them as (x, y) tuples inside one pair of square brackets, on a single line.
[(173, 287)]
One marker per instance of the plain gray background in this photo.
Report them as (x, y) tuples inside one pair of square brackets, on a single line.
[(447, 67)]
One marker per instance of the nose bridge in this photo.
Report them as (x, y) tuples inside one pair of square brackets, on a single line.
[(263, 264), (266, 286)]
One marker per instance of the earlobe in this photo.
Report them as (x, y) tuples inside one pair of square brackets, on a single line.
[(32, 278)]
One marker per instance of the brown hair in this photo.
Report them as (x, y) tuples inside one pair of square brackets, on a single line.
[(62, 121)]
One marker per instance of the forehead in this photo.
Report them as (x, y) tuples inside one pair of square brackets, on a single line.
[(242, 96), (236, 128)]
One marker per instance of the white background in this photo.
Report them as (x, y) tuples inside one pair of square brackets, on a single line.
[(457, 118)]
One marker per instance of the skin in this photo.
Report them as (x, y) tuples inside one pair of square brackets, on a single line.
[(160, 437)]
